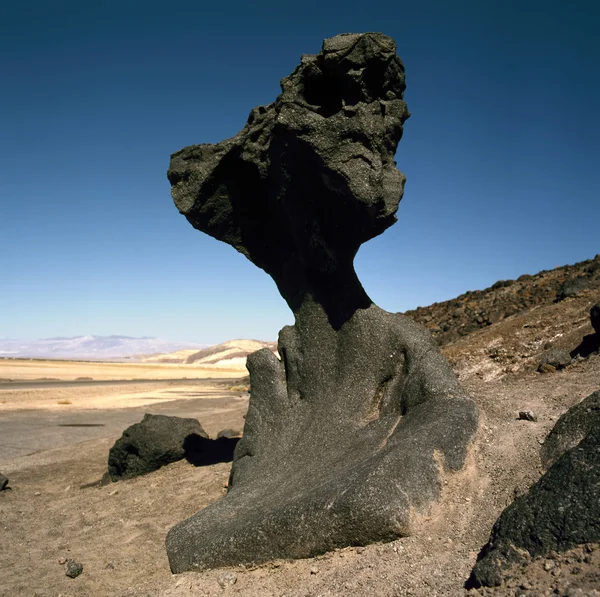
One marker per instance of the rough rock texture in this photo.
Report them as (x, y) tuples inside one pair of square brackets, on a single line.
[(555, 358), (73, 569), (560, 511), (348, 436), (572, 288), (469, 312), (595, 317), (571, 428), (155, 441)]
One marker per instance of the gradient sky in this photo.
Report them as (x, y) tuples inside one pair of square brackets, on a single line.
[(501, 154)]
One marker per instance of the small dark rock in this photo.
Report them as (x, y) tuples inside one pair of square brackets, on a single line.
[(154, 442), (527, 415), (3, 482), (595, 317), (572, 288), (555, 357), (73, 569)]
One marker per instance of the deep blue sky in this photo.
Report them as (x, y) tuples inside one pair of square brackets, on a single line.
[(501, 154)]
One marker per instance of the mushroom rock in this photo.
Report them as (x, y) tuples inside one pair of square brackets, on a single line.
[(349, 435)]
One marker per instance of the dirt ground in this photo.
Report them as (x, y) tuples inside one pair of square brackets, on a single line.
[(117, 531)]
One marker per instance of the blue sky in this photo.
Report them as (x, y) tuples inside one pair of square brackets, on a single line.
[(501, 154)]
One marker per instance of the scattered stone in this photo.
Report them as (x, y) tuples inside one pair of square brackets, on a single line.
[(560, 511), (73, 569), (62, 561), (572, 288), (555, 358), (595, 317), (349, 435), (527, 415), (154, 442), (3, 482), (571, 428), (227, 579), (314, 570)]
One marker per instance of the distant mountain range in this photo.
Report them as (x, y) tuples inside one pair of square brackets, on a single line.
[(91, 347)]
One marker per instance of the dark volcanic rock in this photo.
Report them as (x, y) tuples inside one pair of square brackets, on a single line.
[(591, 342), (527, 415), (450, 320), (595, 317), (572, 288), (73, 569), (348, 436), (560, 511), (3, 482), (571, 428), (155, 441), (556, 358)]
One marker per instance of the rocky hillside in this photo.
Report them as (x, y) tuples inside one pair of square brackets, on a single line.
[(450, 320)]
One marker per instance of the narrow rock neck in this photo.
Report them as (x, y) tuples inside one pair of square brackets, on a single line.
[(337, 296)]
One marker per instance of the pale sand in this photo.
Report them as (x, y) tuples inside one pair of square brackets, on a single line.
[(105, 397), (30, 370)]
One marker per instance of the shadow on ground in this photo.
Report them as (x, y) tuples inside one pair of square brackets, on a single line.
[(203, 452)]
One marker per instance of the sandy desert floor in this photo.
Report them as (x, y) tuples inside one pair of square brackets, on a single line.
[(41, 370), (117, 531)]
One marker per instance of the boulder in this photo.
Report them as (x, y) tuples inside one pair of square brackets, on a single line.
[(350, 433), (571, 428), (154, 442), (555, 358), (558, 512), (595, 317), (572, 288)]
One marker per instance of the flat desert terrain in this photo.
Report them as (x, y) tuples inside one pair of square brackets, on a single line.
[(46, 370)]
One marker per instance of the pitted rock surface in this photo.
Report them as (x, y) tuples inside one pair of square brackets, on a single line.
[(155, 441), (595, 317), (561, 510), (571, 428), (349, 435)]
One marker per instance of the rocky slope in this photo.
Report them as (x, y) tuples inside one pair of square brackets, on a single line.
[(450, 320)]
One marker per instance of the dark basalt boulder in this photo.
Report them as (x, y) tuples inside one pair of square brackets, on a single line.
[(561, 510), (571, 428), (595, 317), (591, 342), (348, 436), (152, 443), (572, 288)]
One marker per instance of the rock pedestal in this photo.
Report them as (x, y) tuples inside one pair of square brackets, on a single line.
[(348, 436)]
